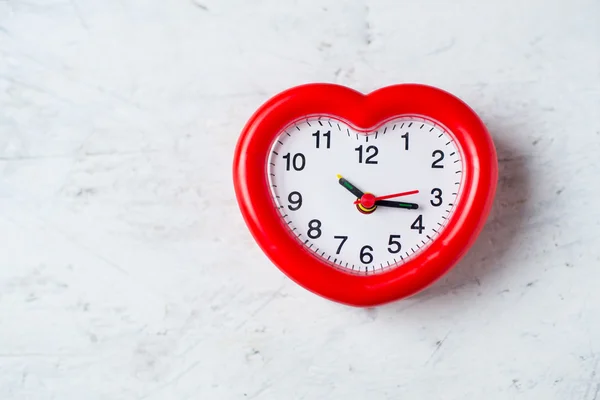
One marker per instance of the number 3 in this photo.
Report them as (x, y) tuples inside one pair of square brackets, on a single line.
[(437, 193)]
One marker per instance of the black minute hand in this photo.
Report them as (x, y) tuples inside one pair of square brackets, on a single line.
[(350, 187), (396, 204)]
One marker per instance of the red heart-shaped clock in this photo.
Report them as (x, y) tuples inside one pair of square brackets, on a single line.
[(365, 199)]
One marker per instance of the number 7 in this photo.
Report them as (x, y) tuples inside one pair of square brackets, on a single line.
[(343, 238)]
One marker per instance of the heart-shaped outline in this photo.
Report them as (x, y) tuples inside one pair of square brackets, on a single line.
[(480, 176)]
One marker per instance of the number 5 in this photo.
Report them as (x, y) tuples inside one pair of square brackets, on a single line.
[(394, 242)]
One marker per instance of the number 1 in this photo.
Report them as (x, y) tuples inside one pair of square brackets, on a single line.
[(405, 137)]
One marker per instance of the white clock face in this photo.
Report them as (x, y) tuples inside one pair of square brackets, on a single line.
[(320, 167)]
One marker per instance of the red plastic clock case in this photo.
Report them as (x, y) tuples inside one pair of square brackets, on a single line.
[(480, 175)]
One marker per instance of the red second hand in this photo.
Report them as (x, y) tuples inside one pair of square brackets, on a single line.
[(390, 196)]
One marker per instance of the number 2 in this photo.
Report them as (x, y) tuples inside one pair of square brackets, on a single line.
[(436, 163)]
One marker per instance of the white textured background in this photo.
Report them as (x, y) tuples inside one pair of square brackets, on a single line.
[(126, 271)]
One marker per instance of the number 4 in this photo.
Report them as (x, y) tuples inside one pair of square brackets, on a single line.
[(418, 224)]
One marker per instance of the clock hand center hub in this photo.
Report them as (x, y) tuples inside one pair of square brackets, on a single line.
[(366, 205), (367, 200)]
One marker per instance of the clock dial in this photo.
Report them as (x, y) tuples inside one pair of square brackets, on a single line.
[(365, 202)]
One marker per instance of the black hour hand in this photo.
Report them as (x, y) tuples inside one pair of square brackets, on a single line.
[(350, 187)]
